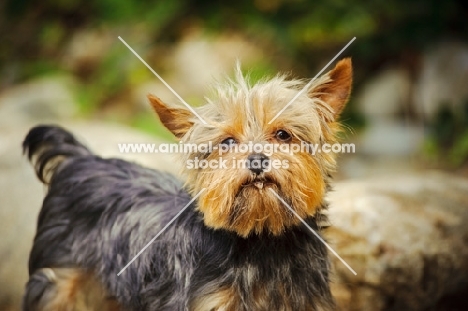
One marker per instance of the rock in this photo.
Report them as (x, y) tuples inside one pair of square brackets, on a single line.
[(381, 101), (407, 239), (441, 82), (385, 94), (195, 63), (20, 200), (200, 59), (443, 79), (41, 100), (353, 166), (391, 138)]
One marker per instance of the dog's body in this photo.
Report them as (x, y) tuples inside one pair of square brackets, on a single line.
[(189, 266), (237, 248)]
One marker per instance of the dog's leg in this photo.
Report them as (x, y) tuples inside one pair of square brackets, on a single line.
[(66, 289)]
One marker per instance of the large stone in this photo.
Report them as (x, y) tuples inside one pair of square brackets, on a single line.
[(40, 100), (407, 239), (391, 138), (442, 80), (195, 63), (20, 198), (381, 101), (385, 94)]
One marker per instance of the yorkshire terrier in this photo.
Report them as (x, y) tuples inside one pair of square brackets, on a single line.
[(237, 247)]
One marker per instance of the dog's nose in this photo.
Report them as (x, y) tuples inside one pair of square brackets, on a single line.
[(257, 162)]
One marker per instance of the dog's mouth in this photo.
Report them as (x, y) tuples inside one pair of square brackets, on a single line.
[(259, 182)]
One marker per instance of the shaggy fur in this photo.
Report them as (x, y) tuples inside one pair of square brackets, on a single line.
[(236, 248)]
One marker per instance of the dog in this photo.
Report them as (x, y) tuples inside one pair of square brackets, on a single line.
[(237, 243)]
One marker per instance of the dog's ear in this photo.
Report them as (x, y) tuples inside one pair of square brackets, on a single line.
[(336, 91), (176, 120)]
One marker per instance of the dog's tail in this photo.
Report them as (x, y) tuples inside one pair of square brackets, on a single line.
[(48, 146)]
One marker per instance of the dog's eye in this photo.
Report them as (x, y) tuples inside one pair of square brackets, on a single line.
[(229, 141), (282, 135)]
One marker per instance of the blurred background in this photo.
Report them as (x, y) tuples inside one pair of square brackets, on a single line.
[(410, 60), (61, 61)]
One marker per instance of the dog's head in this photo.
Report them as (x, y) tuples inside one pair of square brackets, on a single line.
[(252, 143)]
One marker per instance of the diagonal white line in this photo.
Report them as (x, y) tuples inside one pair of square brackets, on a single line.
[(313, 231), (162, 80), (160, 232), (313, 79)]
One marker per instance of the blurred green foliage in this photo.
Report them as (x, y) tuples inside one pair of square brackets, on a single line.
[(299, 35), (303, 30)]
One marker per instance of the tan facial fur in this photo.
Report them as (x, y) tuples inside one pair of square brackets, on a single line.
[(242, 112)]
